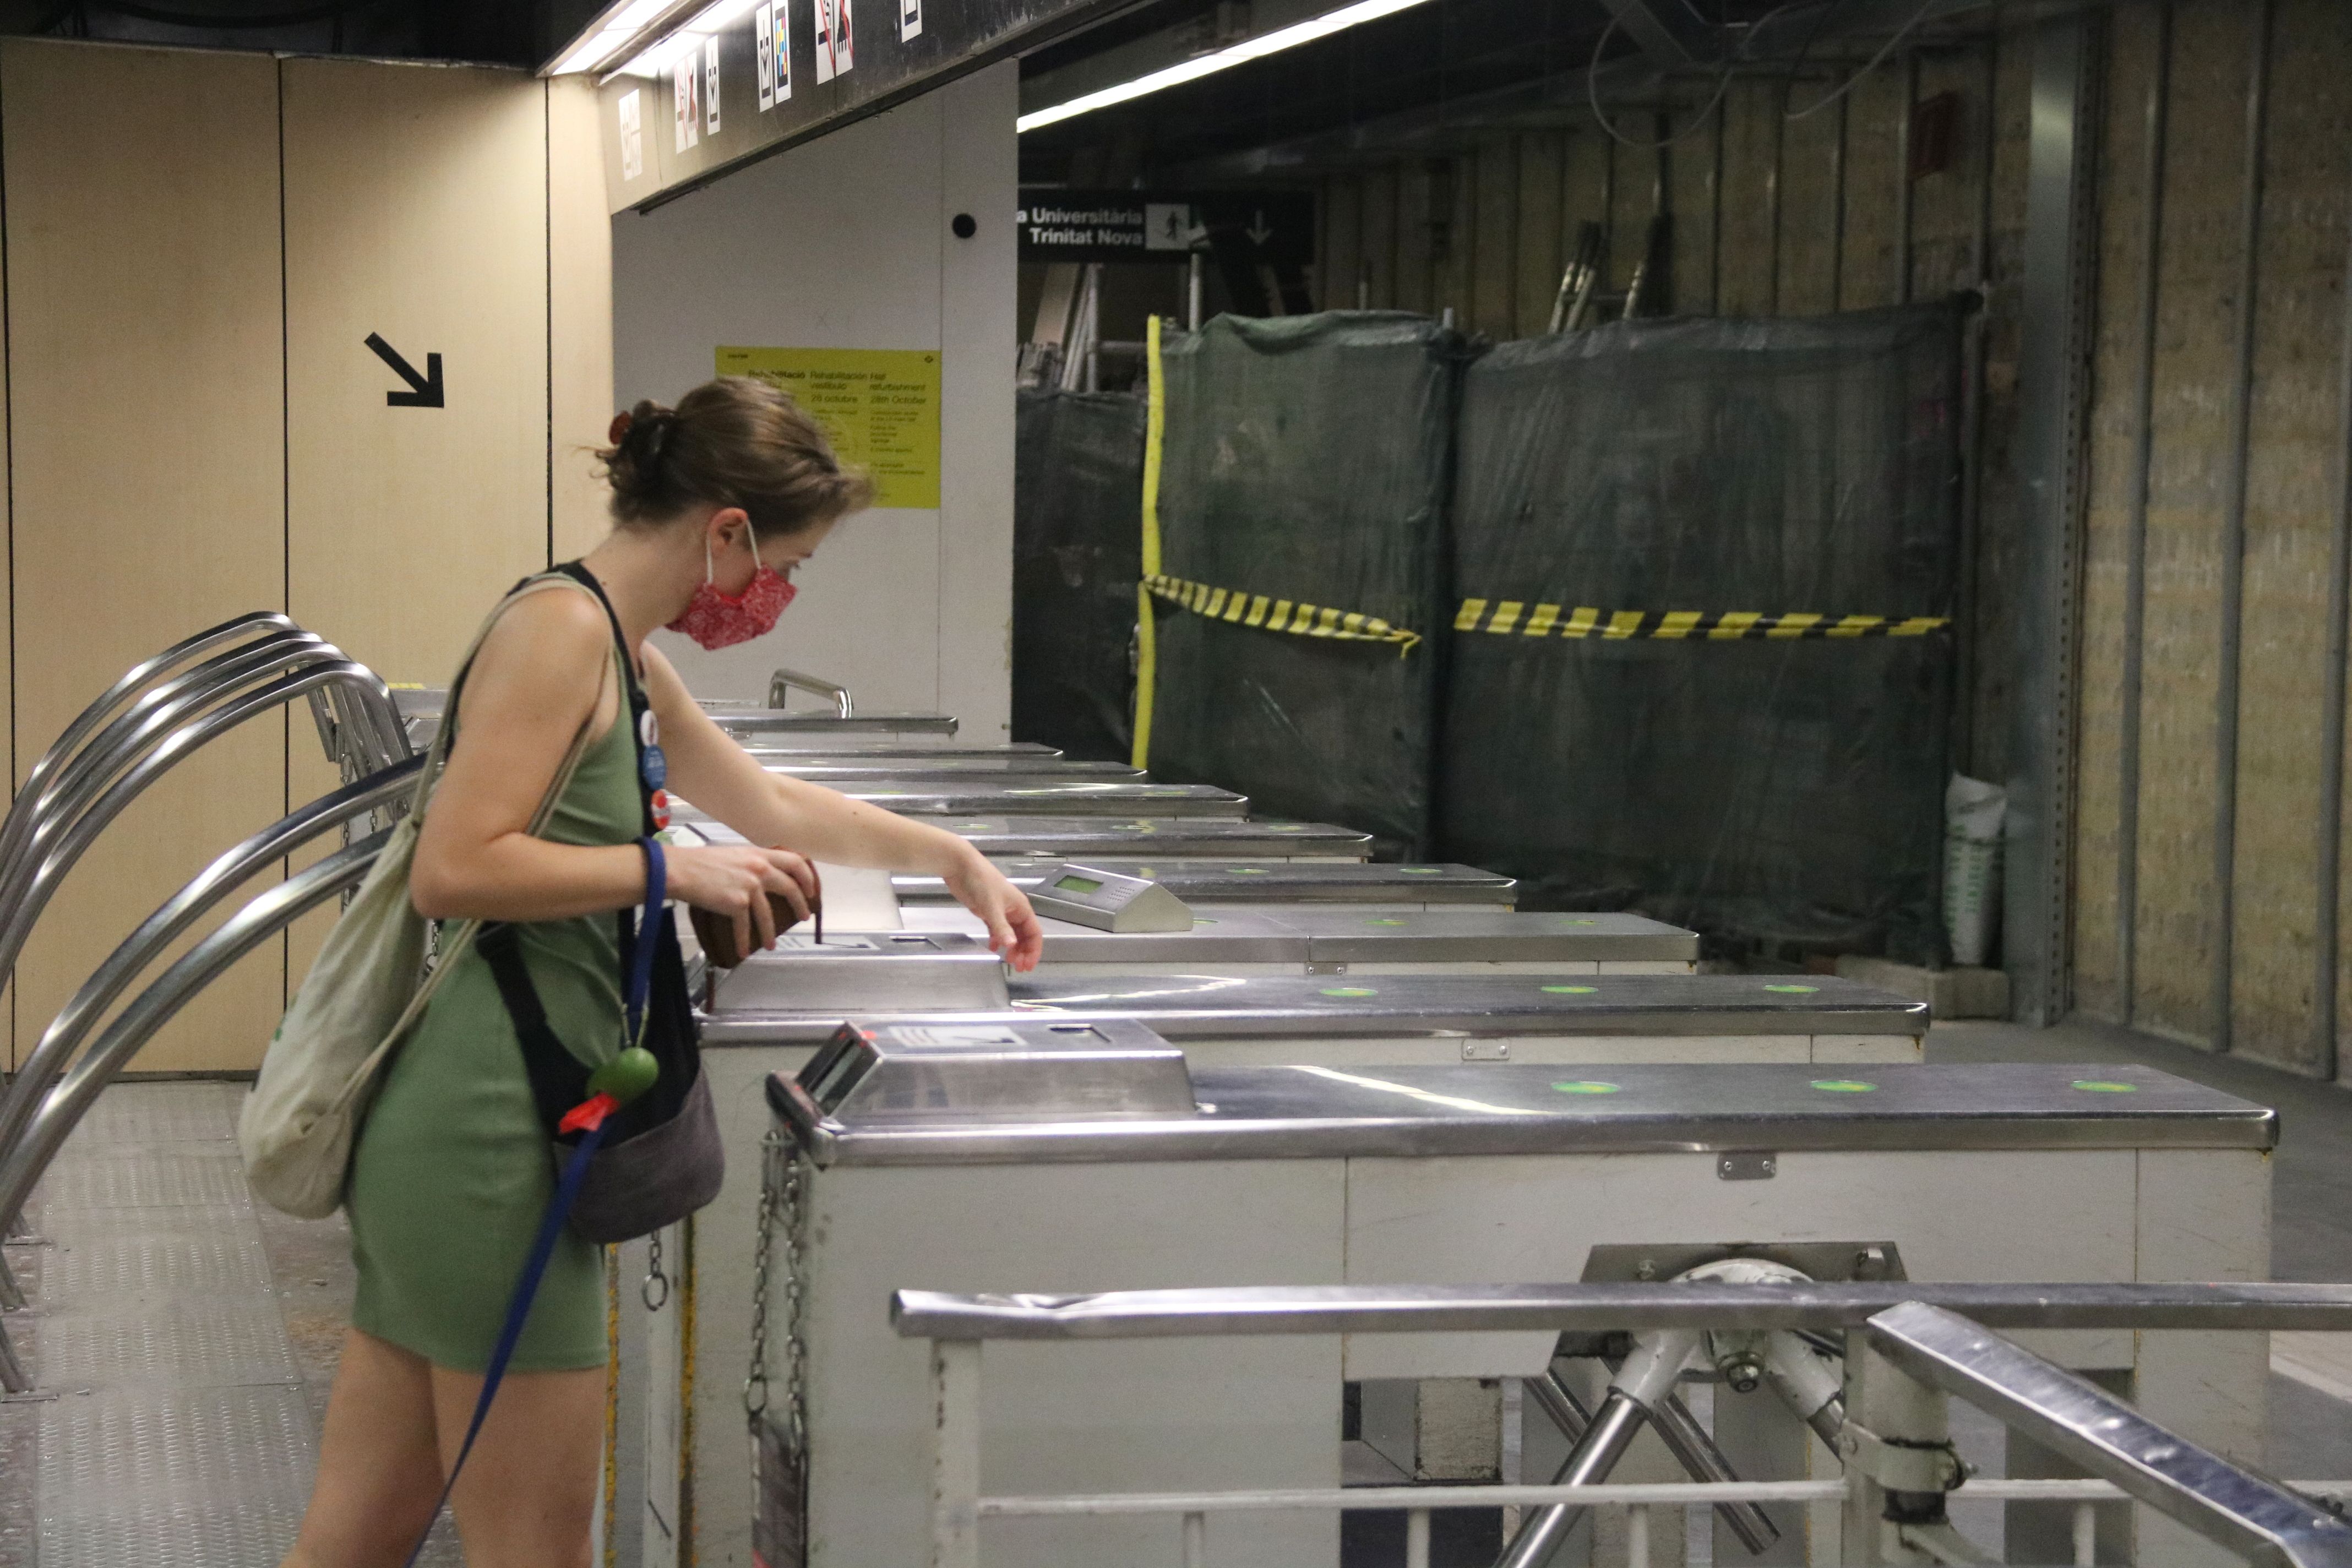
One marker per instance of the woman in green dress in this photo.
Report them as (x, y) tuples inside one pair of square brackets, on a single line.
[(713, 504)]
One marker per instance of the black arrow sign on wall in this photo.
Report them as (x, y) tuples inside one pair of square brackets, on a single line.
[(425, 390)]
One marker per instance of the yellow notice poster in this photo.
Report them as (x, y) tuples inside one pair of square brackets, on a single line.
[(880, 407)]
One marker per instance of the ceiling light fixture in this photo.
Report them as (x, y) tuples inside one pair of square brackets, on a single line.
[(617, 27), (670, 48), (1248, 49)]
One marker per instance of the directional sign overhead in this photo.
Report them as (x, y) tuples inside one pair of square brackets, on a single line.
[(1273, 227)]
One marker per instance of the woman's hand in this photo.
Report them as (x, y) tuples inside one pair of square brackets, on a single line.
[(736, 878), (1013, 933)]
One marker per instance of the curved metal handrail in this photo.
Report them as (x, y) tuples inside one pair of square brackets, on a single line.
[(784, 681), (87, 722), (62, 768), (262, 918), (23, 1101), (64, 839)]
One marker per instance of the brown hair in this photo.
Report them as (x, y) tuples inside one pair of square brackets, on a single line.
[(735, 441)]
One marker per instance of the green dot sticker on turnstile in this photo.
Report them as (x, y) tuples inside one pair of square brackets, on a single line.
[(2101, 1086), (1379, 921), (1845, 1086), (1583, 922), (1793, 990), (1570, 990), (1350, 991), (1203, 920), (1416, 870), (1587, 1086), (1248, 871)]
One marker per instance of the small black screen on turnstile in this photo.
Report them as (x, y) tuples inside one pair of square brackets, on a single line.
[(1078, 885)]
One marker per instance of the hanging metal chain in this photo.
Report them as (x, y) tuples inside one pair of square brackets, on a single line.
[(655, 1292), (782, 1187)]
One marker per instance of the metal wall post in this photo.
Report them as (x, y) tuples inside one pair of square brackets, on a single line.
[(2325, 939), (1192, 284), (2054, 382), (955, 1454), (2234, 542), (2135, 526)]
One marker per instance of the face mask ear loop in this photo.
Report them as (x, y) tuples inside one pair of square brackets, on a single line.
[(709, 574), (751, 538)]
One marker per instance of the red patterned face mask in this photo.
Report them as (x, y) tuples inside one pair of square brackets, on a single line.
[(717, 620)]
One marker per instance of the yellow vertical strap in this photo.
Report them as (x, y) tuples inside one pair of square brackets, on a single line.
[(1466, 620), (1540, 623), (1146, 663), (1580, 623)]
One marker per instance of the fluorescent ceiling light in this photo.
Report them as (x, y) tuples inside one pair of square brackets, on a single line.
[(1248, 49), (673, 46), (617, 27)]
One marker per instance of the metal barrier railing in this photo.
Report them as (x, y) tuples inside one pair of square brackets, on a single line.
[(157, 714), (22, 1162), (1908, 1348)]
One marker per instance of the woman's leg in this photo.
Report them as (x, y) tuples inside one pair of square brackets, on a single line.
[(528, 1493), (379, 1472)]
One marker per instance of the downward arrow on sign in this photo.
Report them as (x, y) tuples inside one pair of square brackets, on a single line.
[(425, 390), (1257, 231)]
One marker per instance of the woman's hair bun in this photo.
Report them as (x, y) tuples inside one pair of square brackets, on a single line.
[(736, 441)]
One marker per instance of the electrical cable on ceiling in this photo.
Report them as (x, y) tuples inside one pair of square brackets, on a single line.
[(1875, 61), (1722, 85)]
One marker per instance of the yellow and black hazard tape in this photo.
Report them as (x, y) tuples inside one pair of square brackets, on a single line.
[(1505, 617), (1261, 610)]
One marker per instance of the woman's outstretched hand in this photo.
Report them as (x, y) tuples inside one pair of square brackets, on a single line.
[(735, 879), (1013, 933)]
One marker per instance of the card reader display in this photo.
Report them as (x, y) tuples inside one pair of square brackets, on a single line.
[(1105, 900)]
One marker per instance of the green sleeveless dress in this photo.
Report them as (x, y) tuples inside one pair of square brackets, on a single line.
[(453, 1172)]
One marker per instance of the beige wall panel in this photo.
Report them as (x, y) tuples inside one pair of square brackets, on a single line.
[(146, 383), (1694, 173), (2292, 478), (1810, 178), (2205, 154), (2114, 368), (1496, 264), (1875, 176), (417, 203), (1538, 260), (1379, 210), (1750, 133), (580, 314), (416, 207)]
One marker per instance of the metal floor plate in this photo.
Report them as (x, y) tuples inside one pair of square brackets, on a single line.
[(179, 1434)]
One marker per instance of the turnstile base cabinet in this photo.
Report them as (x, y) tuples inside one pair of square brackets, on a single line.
[(1231, 1413)]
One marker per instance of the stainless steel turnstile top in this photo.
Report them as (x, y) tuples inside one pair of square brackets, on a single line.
[(817, 722), (1208, 1008), (1202, 883), (993, 772), (1295, 1112), (1256, 934), (978, 795), (1081, 837), (788, 747)]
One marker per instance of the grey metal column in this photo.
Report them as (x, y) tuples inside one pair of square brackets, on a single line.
[(2054, 382)]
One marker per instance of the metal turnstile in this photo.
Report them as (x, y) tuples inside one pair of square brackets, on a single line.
[(836, 768), (1333, 941), (1166, 839), (1373, 889), (978, 795), (1353, 1021), (1315, 1175)]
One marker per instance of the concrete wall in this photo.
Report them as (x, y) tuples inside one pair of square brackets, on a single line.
[(2151, 956), (845, 243)]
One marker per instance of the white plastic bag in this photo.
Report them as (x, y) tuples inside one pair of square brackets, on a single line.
[(1973, 815)]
